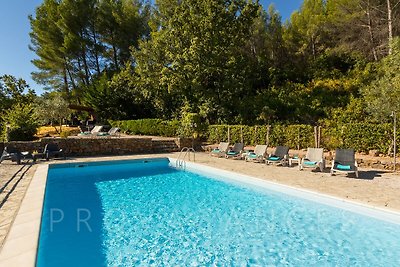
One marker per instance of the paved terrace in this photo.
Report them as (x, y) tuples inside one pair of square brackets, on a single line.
[(374, 187)]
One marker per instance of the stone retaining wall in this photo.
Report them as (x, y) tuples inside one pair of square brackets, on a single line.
[(97, 146)]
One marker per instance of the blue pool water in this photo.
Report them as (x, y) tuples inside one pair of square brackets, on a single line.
[(149, 214)]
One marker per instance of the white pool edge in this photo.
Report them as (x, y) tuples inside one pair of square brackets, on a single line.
[(352, 206), (21, 244)]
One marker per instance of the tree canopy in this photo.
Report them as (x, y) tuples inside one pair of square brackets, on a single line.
[(228, 61)]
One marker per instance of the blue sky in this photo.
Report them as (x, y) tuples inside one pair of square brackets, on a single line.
[(15, 56)]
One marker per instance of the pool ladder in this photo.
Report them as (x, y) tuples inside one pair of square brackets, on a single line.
[(186, 151)]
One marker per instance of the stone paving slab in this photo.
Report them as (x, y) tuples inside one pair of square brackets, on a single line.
[(14, 181)]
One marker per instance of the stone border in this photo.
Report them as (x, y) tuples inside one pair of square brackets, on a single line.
[(20, 246)]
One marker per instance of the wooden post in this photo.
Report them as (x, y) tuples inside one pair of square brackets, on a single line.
[(298, 138), (319, 137), (241, 134), (229, 135), (315, 136), (255, 135), (267, 138)]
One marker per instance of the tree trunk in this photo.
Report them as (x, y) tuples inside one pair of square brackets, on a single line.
[(66, 87), (96, 54), (371, 32), (390, 28)]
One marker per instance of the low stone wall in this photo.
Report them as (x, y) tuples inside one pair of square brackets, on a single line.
[(86, 146)]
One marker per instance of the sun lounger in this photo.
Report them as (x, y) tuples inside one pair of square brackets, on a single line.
[(314, 159), (235, 152), (96, 129), (52, 150), (13, 154), (344, 162), (258, 155), (280, 156), (112, 131), (221, 150)]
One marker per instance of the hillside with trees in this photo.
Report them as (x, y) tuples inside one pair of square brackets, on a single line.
[(213, 62)]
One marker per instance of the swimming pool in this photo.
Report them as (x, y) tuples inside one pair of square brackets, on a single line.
[(145, 212)]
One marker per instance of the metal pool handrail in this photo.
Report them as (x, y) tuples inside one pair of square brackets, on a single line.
[(186, 151)]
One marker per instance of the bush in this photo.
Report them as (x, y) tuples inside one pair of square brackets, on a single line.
[(155, 127), (21, 121)]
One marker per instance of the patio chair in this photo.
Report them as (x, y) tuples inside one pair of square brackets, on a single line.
[(258, 155), (112, 131), (314, 159), (221, 150), (280, 156), (235, 152), (345, 162), (52, 150), (13, 154), (96, 129)]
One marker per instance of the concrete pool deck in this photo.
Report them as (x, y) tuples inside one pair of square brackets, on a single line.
[(374, 188)]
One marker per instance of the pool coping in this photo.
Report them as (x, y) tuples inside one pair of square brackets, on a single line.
[(20, 246)]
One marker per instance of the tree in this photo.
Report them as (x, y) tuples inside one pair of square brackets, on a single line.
[(195, 54), (53, 108), (78, 40), (14, 91), (382, 96)]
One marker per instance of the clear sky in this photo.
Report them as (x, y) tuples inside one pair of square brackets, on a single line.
[(15, 56)]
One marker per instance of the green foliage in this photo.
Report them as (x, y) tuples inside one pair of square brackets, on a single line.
[(65, 134), (14, 91), (78, 40), (21, 123), (155, 127), (52, 108), (383, 94), (195, 54), (117, 99), (291, 135)]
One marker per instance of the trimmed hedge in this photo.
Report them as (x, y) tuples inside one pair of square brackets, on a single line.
[(148, 127), (360, 136), (292, 135)]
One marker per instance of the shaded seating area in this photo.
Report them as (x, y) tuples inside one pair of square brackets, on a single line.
[(235, 152), (280, 156), (221, 150), (344, 162), (313, 159), (258, 155)]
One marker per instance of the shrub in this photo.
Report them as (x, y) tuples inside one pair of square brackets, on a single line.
[(21, 121)]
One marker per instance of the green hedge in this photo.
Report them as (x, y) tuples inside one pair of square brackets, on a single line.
[(291, 135), (148, 127), (360, 136)]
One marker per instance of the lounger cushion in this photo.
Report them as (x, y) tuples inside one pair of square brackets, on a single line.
[(273, 158), (252, 155), (232, 153), (343, 167), (216, 150), (310, 162)]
